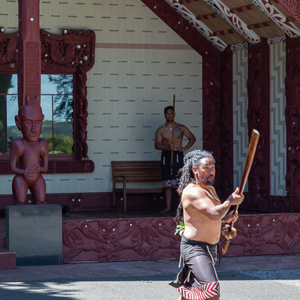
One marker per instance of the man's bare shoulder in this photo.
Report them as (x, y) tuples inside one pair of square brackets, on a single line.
[(195, 196), (192, 191), (161, 128)]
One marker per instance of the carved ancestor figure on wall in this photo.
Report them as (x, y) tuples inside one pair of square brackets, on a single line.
[(32, 151)]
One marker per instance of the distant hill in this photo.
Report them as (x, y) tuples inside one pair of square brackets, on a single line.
[(63, 135), (61, 128)]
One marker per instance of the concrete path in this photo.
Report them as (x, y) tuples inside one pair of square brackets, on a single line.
[(241, 278)]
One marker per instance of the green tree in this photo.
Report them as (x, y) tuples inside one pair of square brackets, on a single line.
[(5, 85), (63, 103), (61, 144)]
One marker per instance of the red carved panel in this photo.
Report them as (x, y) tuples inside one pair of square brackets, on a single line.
[(258, 115), (81, 112), (82, 56), (8, 50), (118, 240), (293, 7), (266, 234), (70, 52), (292, 116), (153, 238)]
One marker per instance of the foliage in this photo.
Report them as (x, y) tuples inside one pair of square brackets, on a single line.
[(5, 85), (63, 102), (62, 128), (62, 144), (179, 228), (62, 139)]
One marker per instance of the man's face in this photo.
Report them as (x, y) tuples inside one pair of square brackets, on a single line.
[(206, 171), (169, 115), (31, 120)]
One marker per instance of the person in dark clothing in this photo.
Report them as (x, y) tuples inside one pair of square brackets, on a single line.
[(163, 141)]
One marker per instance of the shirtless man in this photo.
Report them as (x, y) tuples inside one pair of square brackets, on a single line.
[(30, 150), (163, 141), (203, 214)]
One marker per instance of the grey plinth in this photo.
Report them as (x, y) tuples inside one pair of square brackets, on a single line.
[(34, 233)]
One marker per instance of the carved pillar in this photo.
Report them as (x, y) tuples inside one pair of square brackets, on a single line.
[(29, 53), (292, 115), (227, 124), (258, 115), (81, 106), (212, 110)]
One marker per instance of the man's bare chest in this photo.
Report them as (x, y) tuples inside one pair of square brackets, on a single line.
[(168, 132)]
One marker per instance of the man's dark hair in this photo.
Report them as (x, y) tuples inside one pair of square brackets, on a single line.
[(168, 107), (191, 159)]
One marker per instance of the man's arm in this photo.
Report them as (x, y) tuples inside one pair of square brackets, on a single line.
[(230, 217), (192, 139), (158, 141), (199, 199)]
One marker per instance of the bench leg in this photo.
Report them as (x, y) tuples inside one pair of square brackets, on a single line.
[(114, 201), (125, 202)]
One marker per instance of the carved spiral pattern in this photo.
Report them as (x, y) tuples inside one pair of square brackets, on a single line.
[(294, 8)]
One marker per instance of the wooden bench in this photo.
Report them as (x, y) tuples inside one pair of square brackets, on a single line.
[(124, 172)]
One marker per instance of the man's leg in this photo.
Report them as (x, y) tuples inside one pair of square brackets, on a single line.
[(168, 197), (181, 298)]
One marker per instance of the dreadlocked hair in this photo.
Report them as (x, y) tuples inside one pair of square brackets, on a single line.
[(191, 159)]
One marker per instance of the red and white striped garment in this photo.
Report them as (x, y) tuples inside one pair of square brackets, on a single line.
[(203, 292)]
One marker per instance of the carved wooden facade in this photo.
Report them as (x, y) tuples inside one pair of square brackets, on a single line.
[(73, 52), (217, 106), (153, 238)]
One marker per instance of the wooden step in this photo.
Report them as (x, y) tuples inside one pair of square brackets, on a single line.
[(7, 259)]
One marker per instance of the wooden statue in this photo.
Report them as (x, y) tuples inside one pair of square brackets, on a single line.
[(32, 151)]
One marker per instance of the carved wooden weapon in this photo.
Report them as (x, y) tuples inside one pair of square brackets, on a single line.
[(228, 231), (173, 123)]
